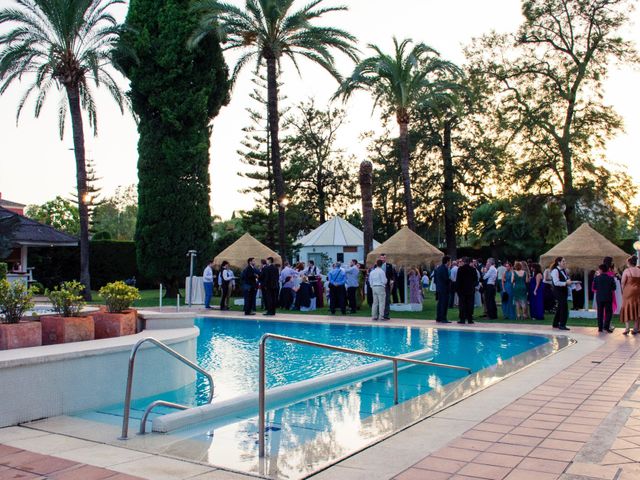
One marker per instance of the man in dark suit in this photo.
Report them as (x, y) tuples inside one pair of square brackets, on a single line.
[(249, 280), (441, 278), (269, 280), (466, 281), (605, 287), (390, 272)]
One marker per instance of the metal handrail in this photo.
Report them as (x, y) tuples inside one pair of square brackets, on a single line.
[(143, 421), (262, 372), (132, 358)]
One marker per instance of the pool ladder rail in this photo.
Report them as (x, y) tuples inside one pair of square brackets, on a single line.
[(127, 398), (282, 338)]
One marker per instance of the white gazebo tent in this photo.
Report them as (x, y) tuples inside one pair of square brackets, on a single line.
[(336, 239)]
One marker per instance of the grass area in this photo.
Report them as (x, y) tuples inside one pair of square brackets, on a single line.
[(150, 299)]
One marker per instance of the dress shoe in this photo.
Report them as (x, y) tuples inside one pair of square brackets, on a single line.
[(444, 321), (599, 330), (563, 328), (471, 322), (250, 313), (461, 322), (610, 330)]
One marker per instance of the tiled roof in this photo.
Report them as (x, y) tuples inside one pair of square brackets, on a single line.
[(32, 233)]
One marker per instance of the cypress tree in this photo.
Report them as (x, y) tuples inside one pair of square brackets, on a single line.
[(175, 92)]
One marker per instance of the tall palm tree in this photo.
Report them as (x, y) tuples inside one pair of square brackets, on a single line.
[(265, 31), (398, 82), (64, 44)]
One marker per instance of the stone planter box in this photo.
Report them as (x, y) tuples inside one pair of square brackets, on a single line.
[(56, 329), (109, 325), (20, 335)]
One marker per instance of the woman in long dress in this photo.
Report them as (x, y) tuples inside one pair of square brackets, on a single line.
[(415, 289), (536, 292), (520, 287), (508, 305), (630, 311)]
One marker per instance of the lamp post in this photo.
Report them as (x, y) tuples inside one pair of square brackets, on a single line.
[(192, 254)]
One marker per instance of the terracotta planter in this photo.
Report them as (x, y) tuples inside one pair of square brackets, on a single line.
[(109, 325), (57, 329), (20, 335)]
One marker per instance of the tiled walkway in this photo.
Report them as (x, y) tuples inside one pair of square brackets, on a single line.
[(582, 424)]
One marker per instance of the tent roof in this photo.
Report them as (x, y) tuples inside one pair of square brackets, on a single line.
[(334, 232), (406, 249), (30, 233), (584, 249), (246, 246)]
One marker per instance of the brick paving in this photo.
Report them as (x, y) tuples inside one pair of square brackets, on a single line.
[(582, 424), (24, 465)]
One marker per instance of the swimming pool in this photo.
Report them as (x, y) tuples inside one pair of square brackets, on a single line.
[(309, 432)]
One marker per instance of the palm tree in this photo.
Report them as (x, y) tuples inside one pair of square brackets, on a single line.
[(366, 192), (266, 31), (399, 82), (64, 44)]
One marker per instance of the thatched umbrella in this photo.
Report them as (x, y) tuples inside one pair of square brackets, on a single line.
[(406, 249), (584, 250), (243, 248)]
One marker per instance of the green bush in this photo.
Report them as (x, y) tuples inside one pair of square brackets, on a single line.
[(15, 299), (67, 298), (3, 270), (118, 296)]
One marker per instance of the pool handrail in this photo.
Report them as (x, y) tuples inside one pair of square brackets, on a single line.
[(262, 373), (127, 397)]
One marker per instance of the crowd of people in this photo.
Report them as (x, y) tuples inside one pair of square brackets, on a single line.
[(526, 290)]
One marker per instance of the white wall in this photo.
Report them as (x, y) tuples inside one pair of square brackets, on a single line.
[(332, 253)]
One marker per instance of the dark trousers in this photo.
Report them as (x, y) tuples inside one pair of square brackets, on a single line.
[(270, 299), (351, 298), (562, 307), (452, 294), (224, 300), (442, 306), (465, 305), (249, 299), (387, 301), (605, 312), (337, 298), (490, 301)]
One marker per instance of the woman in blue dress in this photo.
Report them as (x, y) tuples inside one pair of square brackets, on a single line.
[(508, 305), (536, 292)]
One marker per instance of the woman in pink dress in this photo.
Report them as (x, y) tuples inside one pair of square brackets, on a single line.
[(630, 311)]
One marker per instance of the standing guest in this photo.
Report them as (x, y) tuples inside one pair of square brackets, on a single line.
[(477, 298), (415, 289), (249, 282), (378, 281), (630, 311), (337, 280), (502, 267), (207, 281), (549, 298), (227, 278), (604, 287), (425, 283), (390, 272), (536, 292), (441, 278), (520, 282), (453, 275), (269, 279), (305, 296), (507, 301), (561, 283), (352, 277), (466, 282), (490, 276)]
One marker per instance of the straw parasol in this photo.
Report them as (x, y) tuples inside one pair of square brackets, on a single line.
[(243, 248), (406, 249), (584, 249)]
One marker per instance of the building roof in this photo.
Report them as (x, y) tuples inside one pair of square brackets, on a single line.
[(9, 204), (243, 248), (334, 232), (406, 249), (585, 249), (30, 233)]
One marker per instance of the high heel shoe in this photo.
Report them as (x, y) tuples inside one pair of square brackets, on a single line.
[(626, 331)]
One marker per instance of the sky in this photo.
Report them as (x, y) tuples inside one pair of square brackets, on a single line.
[(35, 165)]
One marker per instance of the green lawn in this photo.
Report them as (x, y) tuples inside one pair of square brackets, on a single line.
[(150, 299)]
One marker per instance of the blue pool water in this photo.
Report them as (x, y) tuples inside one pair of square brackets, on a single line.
[(228, 349)]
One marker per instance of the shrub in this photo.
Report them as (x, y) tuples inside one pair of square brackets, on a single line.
[(67, 298), (15, 299), (118, 296), (3, 270)]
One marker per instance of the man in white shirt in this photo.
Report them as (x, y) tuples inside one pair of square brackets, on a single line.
[(378, 283), (207, 281), (352, 276), (490, 275), (453, 276)]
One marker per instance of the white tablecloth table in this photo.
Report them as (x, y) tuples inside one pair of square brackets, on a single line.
[(198, 291)]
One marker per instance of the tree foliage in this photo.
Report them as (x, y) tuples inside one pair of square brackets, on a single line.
[(60, 213), (115, 217), (175, 91)]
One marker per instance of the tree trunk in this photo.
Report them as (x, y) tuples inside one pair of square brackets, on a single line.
[(406, 179), (271, 240), (322, 200), (366, 192), (73, 95), (450, 211), (568, 191)]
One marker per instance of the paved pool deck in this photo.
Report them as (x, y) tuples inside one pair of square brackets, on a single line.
[(572, 416)]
